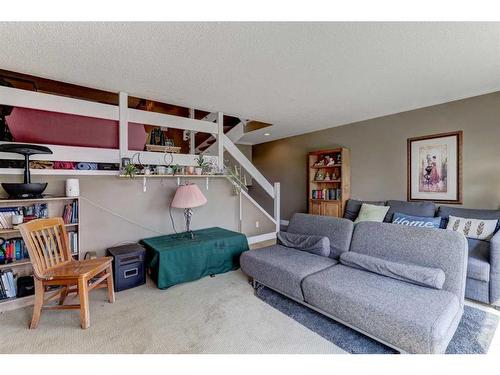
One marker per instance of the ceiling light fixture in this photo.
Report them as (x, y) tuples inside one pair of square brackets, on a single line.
[(267, 134)]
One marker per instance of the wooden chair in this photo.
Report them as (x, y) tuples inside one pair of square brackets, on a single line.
[(53, 265)]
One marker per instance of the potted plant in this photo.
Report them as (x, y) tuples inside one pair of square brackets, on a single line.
[(201, 164), (130, 170)]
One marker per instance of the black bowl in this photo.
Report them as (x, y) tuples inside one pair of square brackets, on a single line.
[(24, 191)]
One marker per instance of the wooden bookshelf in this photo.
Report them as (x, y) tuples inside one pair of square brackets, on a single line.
[(328, 183), (23, 267)]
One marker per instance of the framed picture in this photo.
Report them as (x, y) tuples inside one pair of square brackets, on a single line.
[(435, 168)]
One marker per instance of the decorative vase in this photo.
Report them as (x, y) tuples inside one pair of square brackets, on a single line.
[(190, 170)]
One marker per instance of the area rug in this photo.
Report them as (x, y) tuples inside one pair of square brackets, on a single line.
[(473, 336)]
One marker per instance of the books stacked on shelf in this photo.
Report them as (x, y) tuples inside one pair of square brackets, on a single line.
[(70, 213), (12, 249), (35, 211), (7, 285), (6, 214), (327, 194), (73, 242)]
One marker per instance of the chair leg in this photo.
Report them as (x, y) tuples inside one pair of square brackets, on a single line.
[(84, 303), (111, 287), (37, 309), (64, 294)]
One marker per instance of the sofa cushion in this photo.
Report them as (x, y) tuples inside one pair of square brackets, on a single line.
[(371, 212), (416, 221), (353, 206), (478, 266), (318, 245), (477, 290), (410, 208), (339, 231), (410, 317), (411, 273), (283, 268), (444, 212), (426, 247)]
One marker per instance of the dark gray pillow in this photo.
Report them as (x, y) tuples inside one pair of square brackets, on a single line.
[(427, 209), (410, 273), (353, 206), (317, 245)]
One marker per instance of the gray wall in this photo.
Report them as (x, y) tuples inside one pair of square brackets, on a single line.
[(101, 228), (378, 153)]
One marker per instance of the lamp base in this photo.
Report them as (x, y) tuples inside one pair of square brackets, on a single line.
[(188, 213)]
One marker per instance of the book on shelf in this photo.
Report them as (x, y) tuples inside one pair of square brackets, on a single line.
[(7, 284), (70, 213), (327, 194), (13, 249), (6, 214), (35, 211), (73, 242)]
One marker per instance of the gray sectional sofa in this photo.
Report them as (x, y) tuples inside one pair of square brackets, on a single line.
[(483, 268), (402, 314)]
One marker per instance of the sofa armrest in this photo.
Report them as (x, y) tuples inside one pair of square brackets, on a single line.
[(495, 269)]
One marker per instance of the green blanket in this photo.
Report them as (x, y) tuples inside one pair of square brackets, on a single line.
[(176, 258)]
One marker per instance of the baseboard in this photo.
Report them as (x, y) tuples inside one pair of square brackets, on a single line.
[(261, 238)]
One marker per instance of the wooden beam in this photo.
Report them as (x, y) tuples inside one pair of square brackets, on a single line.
[(161, 119), (56, 103), (123, 124)]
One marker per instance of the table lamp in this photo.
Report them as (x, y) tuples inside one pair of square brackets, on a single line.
[(188, 196)]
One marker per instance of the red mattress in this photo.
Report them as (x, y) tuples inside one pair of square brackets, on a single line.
[(35, 126)]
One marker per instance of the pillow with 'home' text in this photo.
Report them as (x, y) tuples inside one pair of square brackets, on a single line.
[(473, 228), (416, 221)]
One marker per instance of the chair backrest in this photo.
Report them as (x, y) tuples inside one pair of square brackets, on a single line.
[(47, 243)]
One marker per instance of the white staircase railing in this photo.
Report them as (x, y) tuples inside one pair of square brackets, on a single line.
[(123, 115), (272, 190)]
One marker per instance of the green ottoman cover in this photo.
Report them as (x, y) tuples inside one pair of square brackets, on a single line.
[(176, 258)]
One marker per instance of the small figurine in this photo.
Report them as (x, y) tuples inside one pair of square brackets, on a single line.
[(331, 162), (320, 163), (319, 176), (327, 177)]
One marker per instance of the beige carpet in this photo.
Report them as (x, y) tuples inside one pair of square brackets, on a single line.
[(211, 315)]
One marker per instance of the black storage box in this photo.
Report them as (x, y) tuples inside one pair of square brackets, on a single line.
[(25, 286), (128, 266)]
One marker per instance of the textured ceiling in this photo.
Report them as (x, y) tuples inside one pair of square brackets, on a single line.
[(300, 77)]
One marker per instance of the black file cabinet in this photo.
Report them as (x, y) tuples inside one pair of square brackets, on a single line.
[(128, 266)]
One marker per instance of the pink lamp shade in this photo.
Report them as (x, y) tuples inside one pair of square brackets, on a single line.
[(188, 196)]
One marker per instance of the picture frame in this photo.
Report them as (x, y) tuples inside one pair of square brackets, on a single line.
[(434, 168)]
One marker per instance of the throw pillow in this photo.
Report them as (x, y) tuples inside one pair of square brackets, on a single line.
[(370, 212), (411, 273), (472, 228), (416, 221), (313, 244)]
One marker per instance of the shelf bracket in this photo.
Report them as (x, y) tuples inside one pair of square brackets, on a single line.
[(206, 182), (144, 187)]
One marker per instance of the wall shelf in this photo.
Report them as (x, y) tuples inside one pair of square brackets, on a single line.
[(58, 172), (173, 176), (13, 231)]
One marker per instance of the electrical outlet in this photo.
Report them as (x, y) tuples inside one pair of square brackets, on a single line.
[(256, 224)]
